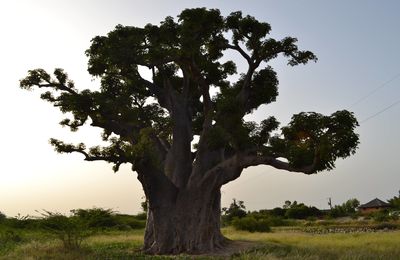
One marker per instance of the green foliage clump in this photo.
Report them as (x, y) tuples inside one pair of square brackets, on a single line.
[(131, 222), (21, 222), (395, 202), (311, 136), (273, 221), (387, 226), (8, 238), (136, 224), (277, 212), (276, 217), (70, 230), (296, 210), (381, 216), (141, 216), (346, 209), (251, 224), (2, 216), (235, 210), (96, 217)]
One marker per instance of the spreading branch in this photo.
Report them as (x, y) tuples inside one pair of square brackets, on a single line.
[(112, 154)]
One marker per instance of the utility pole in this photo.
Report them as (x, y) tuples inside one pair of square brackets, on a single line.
[(330, 202)]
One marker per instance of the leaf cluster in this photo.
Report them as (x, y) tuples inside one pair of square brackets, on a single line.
[(313, 137)]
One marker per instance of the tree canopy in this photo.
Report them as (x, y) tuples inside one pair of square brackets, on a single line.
[(144, 119)]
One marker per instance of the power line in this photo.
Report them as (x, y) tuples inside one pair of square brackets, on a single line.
[(375, 90), (380, 111)]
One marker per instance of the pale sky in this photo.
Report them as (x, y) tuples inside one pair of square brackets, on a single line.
[(357, 43)]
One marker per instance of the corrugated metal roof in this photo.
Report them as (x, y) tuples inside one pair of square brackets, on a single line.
[(375, 203)]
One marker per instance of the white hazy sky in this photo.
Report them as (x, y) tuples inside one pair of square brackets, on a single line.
[(357, 43)]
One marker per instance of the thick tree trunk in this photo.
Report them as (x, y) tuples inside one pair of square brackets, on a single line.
[(188, 222)]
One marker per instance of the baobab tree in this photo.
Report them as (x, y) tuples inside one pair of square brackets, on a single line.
[(183, 129)]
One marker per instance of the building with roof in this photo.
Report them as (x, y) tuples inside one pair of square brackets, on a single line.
[(373, 206)]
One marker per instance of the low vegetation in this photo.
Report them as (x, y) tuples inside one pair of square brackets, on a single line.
[(299, 214), (58, 232), (293, 231), (278, 244)]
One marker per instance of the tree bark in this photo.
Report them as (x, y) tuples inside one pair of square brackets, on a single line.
[(188, 222)]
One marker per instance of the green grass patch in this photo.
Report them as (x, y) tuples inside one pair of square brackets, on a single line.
[(279, 244), (299, 245)]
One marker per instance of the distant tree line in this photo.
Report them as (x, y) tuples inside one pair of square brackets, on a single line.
[(291, 211)]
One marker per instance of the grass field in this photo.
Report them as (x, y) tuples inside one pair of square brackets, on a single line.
[(280, 244), (298, 245)]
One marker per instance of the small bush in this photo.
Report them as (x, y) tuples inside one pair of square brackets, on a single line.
[(96, 217), (141, 216), (251, 224), (387, 225), (272, 221), (70, 230), (21, 222), (9, 239), (136, 224), (346, 209), (123, 227), (271, 218), (235, 210), (301, 211), (277, 212), (276, 221), (10, 236), (2, 217), (381, 216)]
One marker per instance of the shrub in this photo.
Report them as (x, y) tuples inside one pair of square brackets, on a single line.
[(141, 216), (387, 225), (381, 216), (70, 230), (8, 240), (251, 224), (2, 216), (394, 215), (235, 210), (301, 211), (395, 202), (278, 212), (273, 221), (136, 224), (10, 236), (123, 227), (346, 209), (96, 217), (276, 221), (21, 222)]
